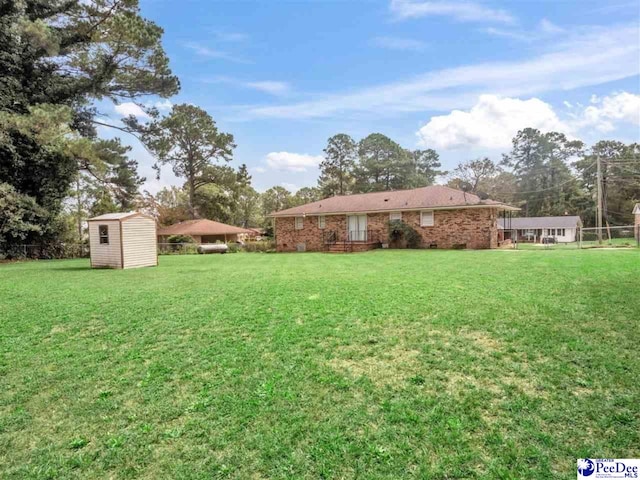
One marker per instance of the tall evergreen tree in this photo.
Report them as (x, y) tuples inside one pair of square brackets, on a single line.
[(189, 140), (546, 185), (57, 57), (336, 170), (383, 165), (425, 167)]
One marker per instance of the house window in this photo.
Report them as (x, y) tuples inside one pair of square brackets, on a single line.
[(321, 221), (395, 216), (560, 232), (103, 233), (426, 218), (299, 223)]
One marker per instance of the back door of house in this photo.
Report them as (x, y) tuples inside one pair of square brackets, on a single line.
[(357, 227)]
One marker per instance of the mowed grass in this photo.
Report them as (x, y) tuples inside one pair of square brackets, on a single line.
[(382, 365)]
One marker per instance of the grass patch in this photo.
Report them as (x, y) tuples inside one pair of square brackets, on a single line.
[(387, 364)]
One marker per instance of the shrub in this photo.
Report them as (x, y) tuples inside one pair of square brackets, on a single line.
[(233, 247), (178, 249), (401, 232), (181, 239), (262, 246)]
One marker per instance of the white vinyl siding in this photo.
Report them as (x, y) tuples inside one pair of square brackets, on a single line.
[(105, 254), (321, 221), (139, 243), (299, 223), (561, 234), (395, 216), (426, 218)]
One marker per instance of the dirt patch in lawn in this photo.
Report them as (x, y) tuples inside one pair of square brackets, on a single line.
[(389, 367)]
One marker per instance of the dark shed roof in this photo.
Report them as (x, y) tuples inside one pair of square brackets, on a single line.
[(520, 223)]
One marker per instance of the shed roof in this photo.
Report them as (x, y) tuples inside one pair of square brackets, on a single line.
[(435, 196), (566, 221), (201, 227), (117, 216)]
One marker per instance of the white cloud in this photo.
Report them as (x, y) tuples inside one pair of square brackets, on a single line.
[(582, 58), (458, 10), (543, 31), (129, 108), (292, 187), (163, 105), (270, 87), (604, 113), (231, 36), (491, 123), (547, 26), (259, 169), (293, 162), (398, 43), (207, 52)]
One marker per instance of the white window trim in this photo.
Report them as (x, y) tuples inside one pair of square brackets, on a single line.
[(301, 220), (322, 222), (422, 222), (391, 214)]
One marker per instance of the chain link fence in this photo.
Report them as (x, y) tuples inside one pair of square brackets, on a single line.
[(626, 236), (45, 252), (618, 236)]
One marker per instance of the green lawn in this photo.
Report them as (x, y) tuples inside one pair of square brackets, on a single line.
[(387, 364)]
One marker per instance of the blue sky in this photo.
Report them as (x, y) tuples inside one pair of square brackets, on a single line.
[(460, 77)]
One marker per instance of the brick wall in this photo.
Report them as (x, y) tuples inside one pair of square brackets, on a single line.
[(474, 228), (287, 237)]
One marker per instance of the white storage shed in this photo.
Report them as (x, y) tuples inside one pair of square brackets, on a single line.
[(123, 240)]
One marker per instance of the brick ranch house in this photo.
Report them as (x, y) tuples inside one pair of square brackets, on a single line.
[(204, 231), (442, 216)]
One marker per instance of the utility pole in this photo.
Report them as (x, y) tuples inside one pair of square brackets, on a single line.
[(599, 201)]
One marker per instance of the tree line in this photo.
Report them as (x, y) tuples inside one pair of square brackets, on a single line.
[(59, 57)]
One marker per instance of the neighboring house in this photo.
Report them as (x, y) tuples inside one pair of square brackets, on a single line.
[(636, 213), (255, 234), (123, 240), (202, 231), (442, 216), (533, 229)]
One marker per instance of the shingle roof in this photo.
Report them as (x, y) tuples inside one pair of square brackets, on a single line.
[(567, 221), (115, 216), (436, 196), (201, 227)]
